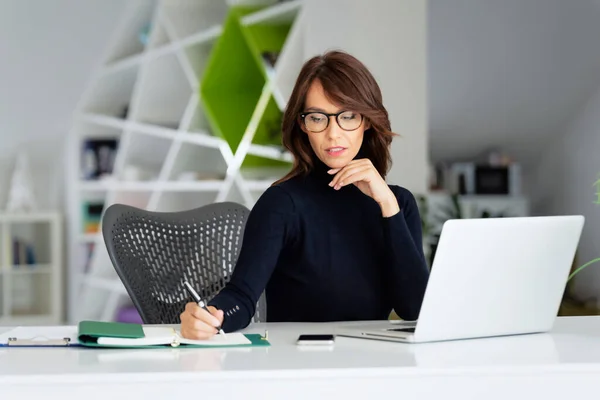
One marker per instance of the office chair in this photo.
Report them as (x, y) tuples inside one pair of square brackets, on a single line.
[(153, 253)]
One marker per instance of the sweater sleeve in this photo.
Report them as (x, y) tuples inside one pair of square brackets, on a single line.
[(407, 270), (268, 228)]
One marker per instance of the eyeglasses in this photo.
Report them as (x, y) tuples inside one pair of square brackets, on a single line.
[(317, 121)]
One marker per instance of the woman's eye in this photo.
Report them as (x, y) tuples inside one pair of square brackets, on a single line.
[(316, 119), (348, 117)]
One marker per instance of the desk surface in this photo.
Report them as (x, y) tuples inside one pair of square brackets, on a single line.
[(574, 343)]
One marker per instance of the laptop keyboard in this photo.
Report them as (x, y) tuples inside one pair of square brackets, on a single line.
[(401, 330)]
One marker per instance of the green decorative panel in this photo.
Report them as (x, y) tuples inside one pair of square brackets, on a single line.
[(232, 83), (234, 79), (266, 40)]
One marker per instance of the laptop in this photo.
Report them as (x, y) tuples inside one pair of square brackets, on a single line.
[(490, 277)]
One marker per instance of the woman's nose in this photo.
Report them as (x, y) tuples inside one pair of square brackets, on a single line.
[(333, 130)]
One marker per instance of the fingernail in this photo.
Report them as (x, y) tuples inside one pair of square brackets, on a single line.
[(331, 183)]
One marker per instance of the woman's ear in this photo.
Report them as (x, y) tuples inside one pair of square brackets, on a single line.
[(367, 124)]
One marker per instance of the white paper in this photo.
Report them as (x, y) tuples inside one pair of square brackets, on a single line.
[(229, 339), (154, 335), (40, 333)]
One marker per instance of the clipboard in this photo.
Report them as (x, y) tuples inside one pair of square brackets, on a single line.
[(36, 342), (41, 336)]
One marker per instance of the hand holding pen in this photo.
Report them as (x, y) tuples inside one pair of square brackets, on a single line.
[(199, 321)]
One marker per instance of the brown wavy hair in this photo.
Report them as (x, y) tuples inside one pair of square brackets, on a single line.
[(348, 83)]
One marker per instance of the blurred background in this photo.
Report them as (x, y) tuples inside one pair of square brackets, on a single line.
[(168, 105)]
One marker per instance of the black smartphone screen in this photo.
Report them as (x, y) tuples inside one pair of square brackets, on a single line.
[(315, 337)]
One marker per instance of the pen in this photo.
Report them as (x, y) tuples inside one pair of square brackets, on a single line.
[(200, 302)]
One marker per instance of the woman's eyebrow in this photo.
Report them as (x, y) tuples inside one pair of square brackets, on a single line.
[(319, 110)]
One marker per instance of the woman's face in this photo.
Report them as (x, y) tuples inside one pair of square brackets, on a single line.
[(335, 145)]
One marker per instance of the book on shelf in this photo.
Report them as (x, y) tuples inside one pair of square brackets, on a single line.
[(22, 252), (98, 157)]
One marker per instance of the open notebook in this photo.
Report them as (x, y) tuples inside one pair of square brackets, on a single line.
[(112, 334), (120, 335)]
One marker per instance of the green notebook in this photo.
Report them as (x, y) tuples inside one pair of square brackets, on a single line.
[(126, 335)]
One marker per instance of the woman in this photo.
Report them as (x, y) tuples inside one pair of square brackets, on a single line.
[(331, 241)]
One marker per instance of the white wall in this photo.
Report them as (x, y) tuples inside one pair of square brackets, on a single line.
[(508, 73), (48, 50), (563, 185), (389, 36)]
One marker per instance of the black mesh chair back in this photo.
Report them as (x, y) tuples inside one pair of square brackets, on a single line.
[(155, 252)]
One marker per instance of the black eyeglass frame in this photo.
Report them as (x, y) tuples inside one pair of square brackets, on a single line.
[(336, 115)]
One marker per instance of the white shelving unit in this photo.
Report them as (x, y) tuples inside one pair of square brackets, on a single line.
[(31, 269), (146, 96)]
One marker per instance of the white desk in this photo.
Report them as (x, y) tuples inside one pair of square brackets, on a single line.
[(559, 365)]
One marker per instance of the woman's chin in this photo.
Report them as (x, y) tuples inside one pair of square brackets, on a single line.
[(334, 164)]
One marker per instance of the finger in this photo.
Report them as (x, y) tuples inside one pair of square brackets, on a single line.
[(192, 328), (218, 314), (199, 313), (357, 176), (194, 325), (350, 164), (350, 176), (195, 335), (343, 172)]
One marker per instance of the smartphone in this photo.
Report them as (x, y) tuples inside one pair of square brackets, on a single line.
[(322, 339)]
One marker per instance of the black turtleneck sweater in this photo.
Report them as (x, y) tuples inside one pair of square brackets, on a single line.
[(326, 255)]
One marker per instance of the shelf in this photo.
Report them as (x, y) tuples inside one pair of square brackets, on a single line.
[(199, 122), (159, 37), (164, 93), (202, 139), (281, 13), (153, 130), (258, 185), (129, 38), (33, 217), (29, 244), (149, 186), (30, 269), (116, 185), (207, 35), (197, 83), (267, 136), (196, 163), (111, 94), (134, 198), (188, 17), (208, 185), (257, 177), (123, 64), (88, 238), (271, 152), (31, 293), (88, 125), (289, 62), (198, 54), (184, 200), (145, 157)]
